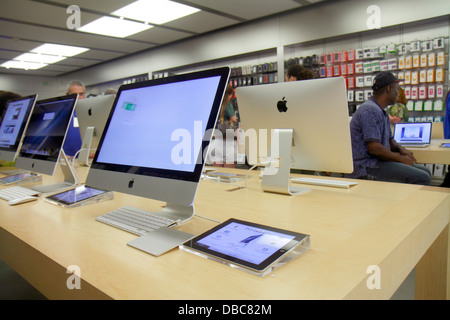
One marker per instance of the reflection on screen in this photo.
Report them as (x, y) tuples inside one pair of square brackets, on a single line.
[(46, 130), (78, 194), (149, 125), (245, 243), (18, 177), (15, 116), (413, 132)]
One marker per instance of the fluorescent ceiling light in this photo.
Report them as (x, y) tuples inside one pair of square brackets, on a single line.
[(43, 56), (39, 58), (155, 11), (22, 65), (114, 27), (59, 50)]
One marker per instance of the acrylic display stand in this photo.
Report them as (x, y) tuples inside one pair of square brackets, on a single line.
[(300, 248)]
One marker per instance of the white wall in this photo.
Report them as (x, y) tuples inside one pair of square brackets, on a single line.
[(25, 85)]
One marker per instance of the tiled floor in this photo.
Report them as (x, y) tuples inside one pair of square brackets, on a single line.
[(14, 287), (406, 290)]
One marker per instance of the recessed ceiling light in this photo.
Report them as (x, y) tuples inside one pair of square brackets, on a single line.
[(22, 65), (155, 11), (43, 56), (59, 50), (114, 27), (39, 58)]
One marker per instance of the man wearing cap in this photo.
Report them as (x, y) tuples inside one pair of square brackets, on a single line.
[(376, 155)]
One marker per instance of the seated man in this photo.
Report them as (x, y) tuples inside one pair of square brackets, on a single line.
[(376, 154)]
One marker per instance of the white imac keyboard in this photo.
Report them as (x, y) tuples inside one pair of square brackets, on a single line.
[(325, 182), (134, 220), (17, 192)]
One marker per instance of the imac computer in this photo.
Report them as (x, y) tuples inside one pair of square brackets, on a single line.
[(44, 138), (307, 124), (13, 125), (154, 141), (92, 114)]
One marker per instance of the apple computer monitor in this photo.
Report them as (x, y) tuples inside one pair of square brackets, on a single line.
[(44, 138), (14, 124), (92, 114), (309, 120), (154, 139)]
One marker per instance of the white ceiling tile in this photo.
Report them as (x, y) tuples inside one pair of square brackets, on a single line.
[(201, 22), (26, 24), (248, 9)]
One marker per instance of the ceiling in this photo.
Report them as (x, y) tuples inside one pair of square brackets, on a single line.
[(26, 24)]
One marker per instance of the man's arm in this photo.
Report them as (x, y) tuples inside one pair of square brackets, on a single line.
[(376, 149), (395, 147)]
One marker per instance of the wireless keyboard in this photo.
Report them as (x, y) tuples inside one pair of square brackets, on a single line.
[(135, 220), (325, 182), (16, 192)]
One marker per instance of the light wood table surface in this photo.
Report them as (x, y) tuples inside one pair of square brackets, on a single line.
[(395, 227), (433, 153)]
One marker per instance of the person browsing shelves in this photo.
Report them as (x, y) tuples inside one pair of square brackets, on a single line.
[(376, 155)]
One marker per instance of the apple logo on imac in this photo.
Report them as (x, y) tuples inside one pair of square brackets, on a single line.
[(281, 105)]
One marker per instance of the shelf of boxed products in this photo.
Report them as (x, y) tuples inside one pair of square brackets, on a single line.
[(254, 74), (422, 65)]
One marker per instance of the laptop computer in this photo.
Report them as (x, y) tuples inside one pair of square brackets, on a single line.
[(413, 134)]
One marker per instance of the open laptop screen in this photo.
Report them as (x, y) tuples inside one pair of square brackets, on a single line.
[(413, 133)]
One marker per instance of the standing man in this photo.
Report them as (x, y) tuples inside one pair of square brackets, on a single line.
[(77, 87), (376, 154)]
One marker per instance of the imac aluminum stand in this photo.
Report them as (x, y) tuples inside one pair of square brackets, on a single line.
[(83, 157), (178, 212), (162, 240), (276, 179), (70, 178)]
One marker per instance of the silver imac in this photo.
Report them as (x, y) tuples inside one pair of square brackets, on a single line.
[(13, 126), (92, 114), (154, 141), (307, 126), (44, 138)]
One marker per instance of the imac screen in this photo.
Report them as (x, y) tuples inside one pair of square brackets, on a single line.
[(47, 128), (13, 125), (160, 127), (93, 112), (316, 110)]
